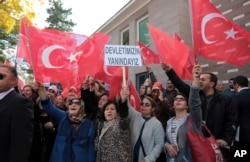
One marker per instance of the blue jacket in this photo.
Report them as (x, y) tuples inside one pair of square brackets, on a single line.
[(71, 145)]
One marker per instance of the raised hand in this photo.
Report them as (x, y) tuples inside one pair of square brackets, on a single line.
[(124, 93), (41, 90), (196, 74), (166, 67)]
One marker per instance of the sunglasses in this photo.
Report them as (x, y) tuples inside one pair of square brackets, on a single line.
[(75, 102), (145, 104), (2, 76), (179, 99)]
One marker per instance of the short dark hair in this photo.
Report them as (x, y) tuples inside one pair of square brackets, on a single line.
[(104, 94), (106, 105), (213, 78), (183, 95), (11, 69), (241, 81)]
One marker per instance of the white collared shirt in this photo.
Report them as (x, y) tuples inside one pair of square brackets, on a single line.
[(243, 88), (3, 94)]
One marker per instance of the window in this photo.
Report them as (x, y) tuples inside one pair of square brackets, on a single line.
[(142, 30), (125, 37), (140, 78)]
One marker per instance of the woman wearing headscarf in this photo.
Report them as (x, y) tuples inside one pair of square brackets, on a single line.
[(75, 134)]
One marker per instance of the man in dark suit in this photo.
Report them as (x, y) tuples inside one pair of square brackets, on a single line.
[(16, 119), (241, 100)]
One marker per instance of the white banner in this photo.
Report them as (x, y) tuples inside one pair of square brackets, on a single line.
[(121, 55)]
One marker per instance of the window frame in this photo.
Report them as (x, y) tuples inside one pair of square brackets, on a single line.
[(138, 29), (123, 31)]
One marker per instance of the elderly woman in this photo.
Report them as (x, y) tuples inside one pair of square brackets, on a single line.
[(75, 135), (113, 134)]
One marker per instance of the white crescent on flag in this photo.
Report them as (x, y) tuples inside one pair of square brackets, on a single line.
[(204, 23), (105, 69), (46, 54)]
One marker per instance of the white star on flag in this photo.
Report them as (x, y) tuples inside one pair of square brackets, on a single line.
[(72, 56), (231, 33)]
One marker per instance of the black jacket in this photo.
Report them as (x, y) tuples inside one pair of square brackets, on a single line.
[(16, 128), (241, 102)]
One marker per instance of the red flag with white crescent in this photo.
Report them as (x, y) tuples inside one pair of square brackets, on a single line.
[(217, 37), (53, 55)]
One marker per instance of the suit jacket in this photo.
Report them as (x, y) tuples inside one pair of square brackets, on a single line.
[(16, 128), (241, 101)]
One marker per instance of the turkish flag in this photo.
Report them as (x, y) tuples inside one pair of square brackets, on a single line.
[(103, 72), (23, 49), (216, 37), (92, 59), (23, 42), (135, 100), (188, 67), (106, 73), (53, 55), (25, 22), (148, 55), (116, 82), (72, 84), (171, 50)]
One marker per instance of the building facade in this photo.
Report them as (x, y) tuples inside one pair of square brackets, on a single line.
[(128, 26)]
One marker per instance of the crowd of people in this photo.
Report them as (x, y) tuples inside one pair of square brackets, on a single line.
[(38, 124)]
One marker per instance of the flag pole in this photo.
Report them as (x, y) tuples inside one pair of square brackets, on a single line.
[(30, 51), (124, 76)]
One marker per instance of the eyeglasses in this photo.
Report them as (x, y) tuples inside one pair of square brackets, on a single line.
[(52, 91), (2, 76), (75, 102), (145, 104), (179, 99)]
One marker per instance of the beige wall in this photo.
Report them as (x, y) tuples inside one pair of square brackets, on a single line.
[(173, 15)]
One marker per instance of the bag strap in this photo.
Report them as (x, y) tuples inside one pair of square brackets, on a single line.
[(143, 150), (206, 128), (203, 125)]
